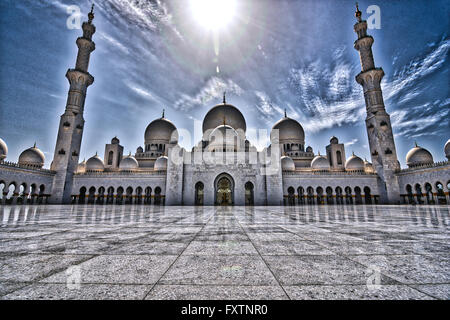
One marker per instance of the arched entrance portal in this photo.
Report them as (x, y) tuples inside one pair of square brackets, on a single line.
[(224, 190)]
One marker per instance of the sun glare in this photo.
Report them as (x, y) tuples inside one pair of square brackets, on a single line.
[(213, 14)]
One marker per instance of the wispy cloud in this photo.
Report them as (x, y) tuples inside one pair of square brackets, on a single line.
[(112, 42), (351, 142), (213, 89)]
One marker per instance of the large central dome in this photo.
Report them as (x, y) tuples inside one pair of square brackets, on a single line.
[(224, 113)]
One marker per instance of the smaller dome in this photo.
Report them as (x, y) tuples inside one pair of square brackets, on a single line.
[(115, 140), (95, 164), (139, 150), (82, 167), (3, 149), (289, 130), (354, 163), (320, 163), (287, 164), (162, 130), (129, 163), (418, 156), (334, 140), (161, 163), (446, 149), (309, 149), (32, 157)]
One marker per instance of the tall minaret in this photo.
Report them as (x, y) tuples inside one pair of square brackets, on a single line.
[(378, 122), (71, 125)]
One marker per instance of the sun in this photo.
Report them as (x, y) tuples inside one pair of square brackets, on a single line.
[(213, 14)]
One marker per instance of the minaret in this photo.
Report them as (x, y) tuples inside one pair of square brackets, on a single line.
[(378, 122), (71, 126)]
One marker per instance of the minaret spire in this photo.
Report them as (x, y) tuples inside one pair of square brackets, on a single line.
[(378, 121), (71, 126), (91, 15), (358, 13)]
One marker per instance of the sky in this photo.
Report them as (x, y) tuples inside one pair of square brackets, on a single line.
[(268, 56)]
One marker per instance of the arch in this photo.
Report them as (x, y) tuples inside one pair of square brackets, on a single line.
[(110, 158), (119, 195), (2, 188), (11, 191), (310, 195), (249, 194), (91, 197), (348, 195), (319, 191), (82, 195), (339, 196), (358, 197), (367, 195), (199, 194), (33, 193), (419, 194), (22, 193), (329, 192), (291, 196), (429, 193), (110, 197), (139, 195), (148, 195), (129, 196), (301, 195), (157, 195), (410, 194), (101, 195), (224, 189), (440, 194)]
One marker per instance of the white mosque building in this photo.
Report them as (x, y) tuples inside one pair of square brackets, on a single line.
[(224, 168)]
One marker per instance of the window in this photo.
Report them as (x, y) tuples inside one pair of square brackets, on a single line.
[(110, 158), (339, 157)]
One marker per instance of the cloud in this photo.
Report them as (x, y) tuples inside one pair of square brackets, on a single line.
[(408, 76), (351, 142), (428, 119), (213, 89), (113, 42), (148, 15), (268, 110)]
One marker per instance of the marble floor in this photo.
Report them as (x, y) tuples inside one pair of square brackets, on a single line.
[(151, 252)]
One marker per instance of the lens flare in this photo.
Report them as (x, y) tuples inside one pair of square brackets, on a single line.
[(213, 14)]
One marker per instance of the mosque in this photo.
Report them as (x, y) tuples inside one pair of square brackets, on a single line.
[(224, 168)]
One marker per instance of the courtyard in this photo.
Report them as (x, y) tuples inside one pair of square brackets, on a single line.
[(157, 252)]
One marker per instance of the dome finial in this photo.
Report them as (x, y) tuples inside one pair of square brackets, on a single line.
[(96, 153), (224, 99), (353, 153), (318, 152), (285, 114), (34, 146), (163, 113), (91, 14), (358, 13), (415, 143)]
